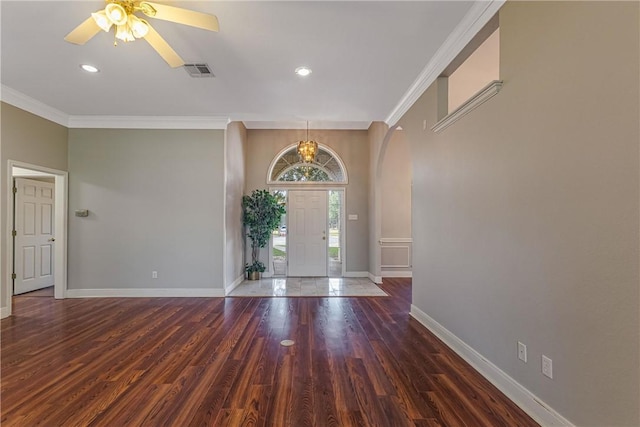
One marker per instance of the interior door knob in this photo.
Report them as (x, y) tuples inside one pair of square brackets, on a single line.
[(51, 240)]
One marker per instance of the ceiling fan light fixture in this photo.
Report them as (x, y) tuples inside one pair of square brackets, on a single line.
[(139, 27), (102, 20), (129, 27), (147, 9), (116, 13), (124, 33)]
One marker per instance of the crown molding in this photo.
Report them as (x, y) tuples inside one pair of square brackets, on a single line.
[(479, 14), (33, 106), (486, 93), (24, 102), (316, 125), (148, 122)]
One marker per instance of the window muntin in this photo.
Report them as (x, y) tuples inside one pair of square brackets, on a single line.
[(326, 168)]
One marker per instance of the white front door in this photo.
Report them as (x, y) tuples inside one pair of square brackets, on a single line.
[(34, 219), (307, 233)]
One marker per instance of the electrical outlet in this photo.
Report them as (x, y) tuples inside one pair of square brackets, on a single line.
[(522, 352), (547, 366), (154, 274)]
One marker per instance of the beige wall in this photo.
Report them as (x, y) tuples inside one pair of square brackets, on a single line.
[(235, 152), (155, 199), (352, 147), (26, 138), (525, 211), (396, 187), (481, 68)]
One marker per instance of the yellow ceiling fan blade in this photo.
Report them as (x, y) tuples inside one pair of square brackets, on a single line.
[(162, 47), (83, 32), (180, 16)]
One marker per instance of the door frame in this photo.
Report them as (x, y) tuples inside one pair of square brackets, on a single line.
[(312, 187), (60, 215)]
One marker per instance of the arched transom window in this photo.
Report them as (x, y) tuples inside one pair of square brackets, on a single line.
[(287, 167)]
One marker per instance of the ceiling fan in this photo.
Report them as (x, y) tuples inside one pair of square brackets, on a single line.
[(129, 27)]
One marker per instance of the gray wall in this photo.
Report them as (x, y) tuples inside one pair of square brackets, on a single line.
[(352, 147), (235, 151), (31, 139), (156, 203), (525, 211)]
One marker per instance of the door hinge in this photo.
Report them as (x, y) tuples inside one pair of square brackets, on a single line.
[(15, 190), (13, 275), (14, 233)]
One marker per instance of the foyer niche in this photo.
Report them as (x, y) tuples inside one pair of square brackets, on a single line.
[(271, 151)]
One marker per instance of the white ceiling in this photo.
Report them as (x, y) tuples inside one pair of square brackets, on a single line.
[(365, 57)]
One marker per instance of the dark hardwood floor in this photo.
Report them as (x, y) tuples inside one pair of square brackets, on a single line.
[(44, 292), (215, 362)]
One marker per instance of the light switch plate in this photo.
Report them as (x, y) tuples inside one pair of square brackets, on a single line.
[(522, 352), (547, 366)]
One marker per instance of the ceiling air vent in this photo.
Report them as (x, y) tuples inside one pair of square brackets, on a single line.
[(198, 70)]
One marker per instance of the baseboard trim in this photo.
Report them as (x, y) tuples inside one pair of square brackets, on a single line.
[(234, 285), (532, 405), (397, 274), (145, 293), (356, 274), (375, 279), (5, 312)]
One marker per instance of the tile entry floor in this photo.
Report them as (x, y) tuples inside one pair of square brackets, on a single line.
[(308, 287)]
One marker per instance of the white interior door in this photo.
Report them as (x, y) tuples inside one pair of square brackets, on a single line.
[(34, 219), (307, 233)]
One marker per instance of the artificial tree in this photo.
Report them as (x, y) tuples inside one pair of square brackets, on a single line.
[(261, 214)]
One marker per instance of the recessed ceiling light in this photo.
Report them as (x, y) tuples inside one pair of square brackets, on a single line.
[(89, 68), (303, 71)]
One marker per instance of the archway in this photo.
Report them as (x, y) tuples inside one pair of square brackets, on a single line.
[(392, 193)]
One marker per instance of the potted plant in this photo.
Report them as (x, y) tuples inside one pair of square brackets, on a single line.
[(254, 270), (261, 214)]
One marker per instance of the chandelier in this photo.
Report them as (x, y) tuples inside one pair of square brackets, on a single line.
[(307, 149)]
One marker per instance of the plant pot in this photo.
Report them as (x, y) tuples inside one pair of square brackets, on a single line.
[(254, 275)]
